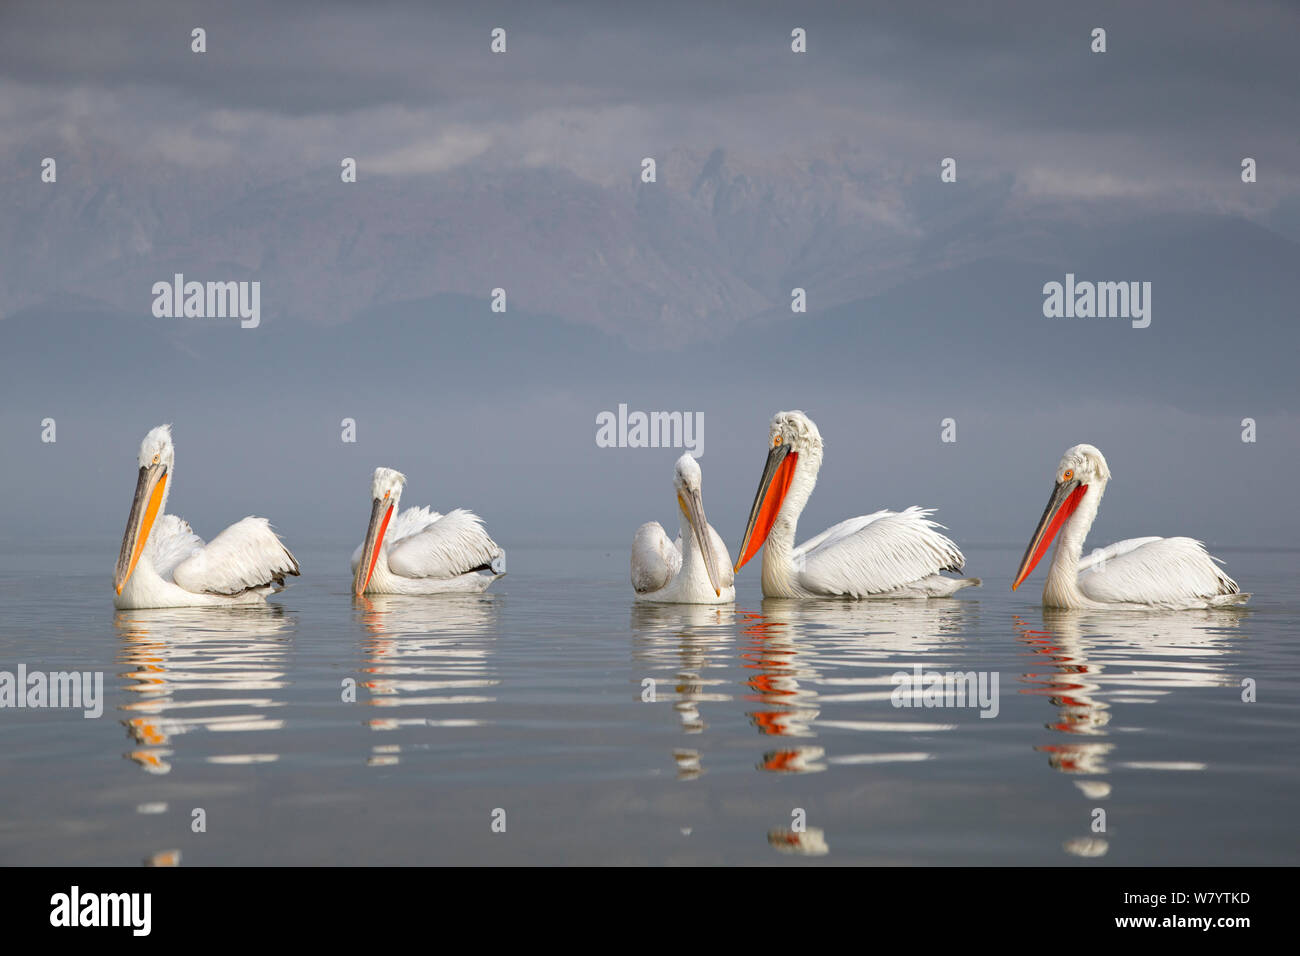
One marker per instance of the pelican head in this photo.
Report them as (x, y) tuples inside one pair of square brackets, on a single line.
[(687, 475), (688, 480), (796, 430), (385, 491), (1080, 468), (157, 448), (1086, 461), (387, 484), (157, 457), (790, 435)]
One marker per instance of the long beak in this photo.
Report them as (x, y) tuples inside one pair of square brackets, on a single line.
[(1065, 498), (380, 513), (693, 507), (772, 489), (146, 504)]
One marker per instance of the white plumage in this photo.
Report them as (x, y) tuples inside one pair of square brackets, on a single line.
[(681, 571), (246, 555), (886, 554), (1158, 572), (1137, 573), (880, 553), (426, 544), (655, 559), (163, 563), (421, 551)]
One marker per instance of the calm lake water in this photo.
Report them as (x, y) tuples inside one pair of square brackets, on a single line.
[(525, 706)]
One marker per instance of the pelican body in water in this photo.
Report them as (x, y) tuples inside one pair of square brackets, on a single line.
[(886, 554), (1139, 573), (163, 563), (419, 551), (685, 571)]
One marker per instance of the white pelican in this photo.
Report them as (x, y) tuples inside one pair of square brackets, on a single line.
[(886, 554), (684, 571), (163, 563), (1171, 573), (423, 552)]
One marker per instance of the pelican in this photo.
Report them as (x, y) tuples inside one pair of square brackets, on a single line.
[(163, 563), (1170, 573), (886, 554), (684, 571), (419, 551)]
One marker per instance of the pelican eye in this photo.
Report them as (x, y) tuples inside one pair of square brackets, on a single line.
[(155, 459), (386, 494), (1069, 475), (776, 441)]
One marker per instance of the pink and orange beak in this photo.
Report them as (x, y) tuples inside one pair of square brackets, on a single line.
[(778, 472), (150, 488), (1065, 499), (381, 512)]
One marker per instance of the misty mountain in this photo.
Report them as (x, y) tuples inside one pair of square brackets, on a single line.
[(715, 242), (1223, 293)]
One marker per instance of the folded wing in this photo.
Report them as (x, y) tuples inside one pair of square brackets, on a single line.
[(411, 521), (444, 547), (171, 541), (656, 560), (246, 556), (1153, 571), (876, 553)]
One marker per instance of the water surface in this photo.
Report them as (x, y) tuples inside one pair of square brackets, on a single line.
[(397, 730)]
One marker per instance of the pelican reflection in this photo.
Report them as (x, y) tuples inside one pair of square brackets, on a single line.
[(429, 656), (1087, 662), (193, 669), (686, 647), (807, 667), (829, 665)]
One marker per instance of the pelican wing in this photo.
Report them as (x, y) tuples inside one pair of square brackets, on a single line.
[(246, 556), (1101, 555), (411, 521), (171, 541), (876, 553), (450, 545), (655, 559), (1157, 571)]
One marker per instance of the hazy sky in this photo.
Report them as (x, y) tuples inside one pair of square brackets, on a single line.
[(521, 169), (1184, 88)]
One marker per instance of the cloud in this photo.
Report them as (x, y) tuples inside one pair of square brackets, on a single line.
[(448, 150), (1186, 89)]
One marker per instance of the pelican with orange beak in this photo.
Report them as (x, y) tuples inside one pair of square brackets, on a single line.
[(1139, 573), (419, 551), (163, 563), (886, 554)]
